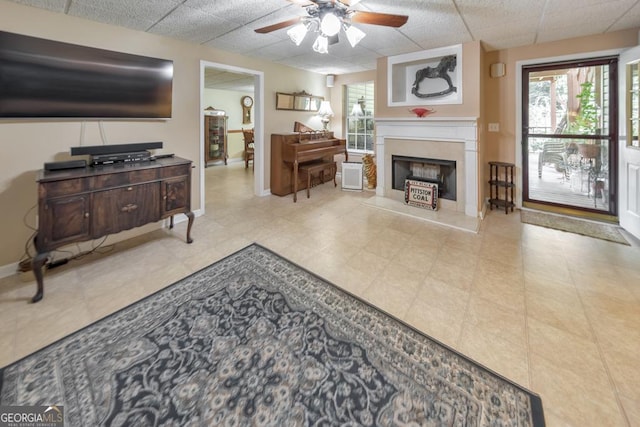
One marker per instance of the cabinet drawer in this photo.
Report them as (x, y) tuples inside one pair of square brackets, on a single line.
[(180, 170), (63, 188), (124, 208), (124, 178)]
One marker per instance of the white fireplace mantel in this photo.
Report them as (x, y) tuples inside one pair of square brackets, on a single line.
[(432, 130)]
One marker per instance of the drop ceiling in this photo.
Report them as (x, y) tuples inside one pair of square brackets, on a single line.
[(229, 25)]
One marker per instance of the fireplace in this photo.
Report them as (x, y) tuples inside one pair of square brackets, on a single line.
[(452, 139), (436, 171)]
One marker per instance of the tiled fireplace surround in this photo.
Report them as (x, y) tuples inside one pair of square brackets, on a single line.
[(450, 138)]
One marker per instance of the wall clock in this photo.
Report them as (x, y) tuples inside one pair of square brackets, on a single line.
[(247, 103)]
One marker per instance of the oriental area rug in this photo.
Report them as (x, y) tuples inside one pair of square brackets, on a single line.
[(588, 228), (256, 340)]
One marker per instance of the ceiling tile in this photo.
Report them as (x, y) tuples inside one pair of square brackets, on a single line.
[(192, 25), (509, 42), (591, 19), (242, 11), (630, 19), (243, 43), (479, 14), (138, 15), (54, 5)]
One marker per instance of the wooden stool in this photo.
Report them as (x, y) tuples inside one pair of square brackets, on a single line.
[(312, 169)]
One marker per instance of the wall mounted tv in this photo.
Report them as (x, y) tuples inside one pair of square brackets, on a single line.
[(42, 78)]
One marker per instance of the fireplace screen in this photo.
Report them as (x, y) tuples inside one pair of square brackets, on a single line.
[(435, 171)]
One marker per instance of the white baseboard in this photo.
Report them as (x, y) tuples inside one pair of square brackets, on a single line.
[(11, 269), (8, 270)]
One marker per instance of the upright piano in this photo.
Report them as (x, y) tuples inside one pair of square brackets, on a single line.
[(289, 150)]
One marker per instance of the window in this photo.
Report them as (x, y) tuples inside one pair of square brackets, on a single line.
[(359, 100), (633, 104)]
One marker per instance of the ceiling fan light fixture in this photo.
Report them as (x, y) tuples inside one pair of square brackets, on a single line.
[(330, 24), (321, 45), (297, 33), (354, 35)]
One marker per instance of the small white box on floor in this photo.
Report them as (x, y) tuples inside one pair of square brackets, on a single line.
[(351, 176)]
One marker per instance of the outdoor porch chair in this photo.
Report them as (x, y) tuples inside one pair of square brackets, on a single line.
[(553, 152)]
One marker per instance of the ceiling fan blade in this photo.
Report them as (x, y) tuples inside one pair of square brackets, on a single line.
[(375, 18), (333, 39), (279, 25)]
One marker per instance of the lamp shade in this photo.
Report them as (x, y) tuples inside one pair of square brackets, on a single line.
[(354, 35), (357, 110), (321, 45), (297, 33), (325, 109)]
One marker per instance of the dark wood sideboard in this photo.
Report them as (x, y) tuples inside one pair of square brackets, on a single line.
[(76, 205)]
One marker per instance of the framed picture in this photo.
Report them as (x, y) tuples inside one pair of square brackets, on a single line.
[(284, 101), (298, 101), (428, 77)]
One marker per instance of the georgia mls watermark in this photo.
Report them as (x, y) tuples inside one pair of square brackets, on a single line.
[(31, 416)]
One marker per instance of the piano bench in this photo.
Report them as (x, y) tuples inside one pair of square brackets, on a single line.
[(311, 169)]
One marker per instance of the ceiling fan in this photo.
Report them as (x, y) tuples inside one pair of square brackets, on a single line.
[(327, 17)]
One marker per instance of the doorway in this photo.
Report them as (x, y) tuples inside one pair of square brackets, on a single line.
[(569, 135), (259, 185)]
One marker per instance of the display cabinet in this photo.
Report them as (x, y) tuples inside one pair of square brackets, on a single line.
[(215, 136)]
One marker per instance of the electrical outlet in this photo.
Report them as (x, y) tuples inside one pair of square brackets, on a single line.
[(494, 127)]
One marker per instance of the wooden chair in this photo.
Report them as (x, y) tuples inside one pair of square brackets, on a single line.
[(249, 146)]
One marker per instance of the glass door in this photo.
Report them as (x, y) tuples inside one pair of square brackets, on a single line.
[(569, 137)]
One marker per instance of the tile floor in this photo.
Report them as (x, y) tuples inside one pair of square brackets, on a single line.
[(555, 312)]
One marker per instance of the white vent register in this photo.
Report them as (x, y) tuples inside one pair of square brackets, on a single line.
[(351, 176)]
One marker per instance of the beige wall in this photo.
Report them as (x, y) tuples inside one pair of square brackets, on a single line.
[(26, 145)]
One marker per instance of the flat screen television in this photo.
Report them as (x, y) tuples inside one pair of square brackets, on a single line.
[(42, 78)]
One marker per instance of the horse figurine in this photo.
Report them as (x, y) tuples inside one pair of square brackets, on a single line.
[(441, 71)]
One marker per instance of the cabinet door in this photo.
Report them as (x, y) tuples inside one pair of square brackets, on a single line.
[(176, 197), (124, 208), (64, 220), (215, 133), (214, 144)]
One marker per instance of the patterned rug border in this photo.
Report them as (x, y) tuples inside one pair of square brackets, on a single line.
[(537, 412), (597, 230)]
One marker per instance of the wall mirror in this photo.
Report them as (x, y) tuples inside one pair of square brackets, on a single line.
[(298, 101)]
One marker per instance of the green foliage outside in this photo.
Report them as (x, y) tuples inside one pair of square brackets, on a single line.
[(587, 120)]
